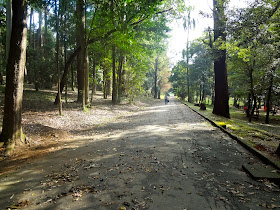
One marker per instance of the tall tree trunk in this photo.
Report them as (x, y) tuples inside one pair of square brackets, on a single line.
[(268, 98), (188, 79), (12, 128), (39, 48), (156, 78), (115, 92), (252, 111), (46, 28), (221, 106), (93, 87), (109, 84), (86, 77), (1, 50), (65, 60), (72, 77), (105, 89), (29, 57), (81, 41), (251, 104), (9, 14), (57, 59), (159, 89), (120, 78)]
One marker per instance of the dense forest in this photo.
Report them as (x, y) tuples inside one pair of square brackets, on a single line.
[(241, 52), (119, 47)]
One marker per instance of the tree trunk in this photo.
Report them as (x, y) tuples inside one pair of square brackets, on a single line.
[(155, 77), (39, 56), (46, 28), (29, 57), (93, 90), (1, 74), (81, 41), (109, 84), (65, 60), (105, 89), (115, 91), (86, 77), (72, 77), (57, 58), (221, 106), (9, 14), (252, 111), (120, 78), (12, 128), (251, 104), (268, 98)]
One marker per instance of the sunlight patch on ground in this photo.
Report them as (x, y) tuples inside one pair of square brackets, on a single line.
[(193, 126), (158, 110), (153, 128), (5, 185)]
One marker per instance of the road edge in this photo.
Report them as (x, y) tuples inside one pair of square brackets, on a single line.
[(246, 146)]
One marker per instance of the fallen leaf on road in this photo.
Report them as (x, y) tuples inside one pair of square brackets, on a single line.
[(20, 204)]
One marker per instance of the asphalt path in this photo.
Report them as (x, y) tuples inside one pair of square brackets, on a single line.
[(161, 157)]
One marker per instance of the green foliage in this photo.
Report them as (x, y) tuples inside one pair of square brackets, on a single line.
[(200, 73)]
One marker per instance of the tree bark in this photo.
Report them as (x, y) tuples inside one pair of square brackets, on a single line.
[(188, 79), (39, 48), (29, 57), (86, 75), (81, 41), (57, 59), (120, 78), (221, 106), (9, 14), (93, 90), (115, 92), (105, 83), (155, 78), (1, 74), (46, 27), (268, 98), (12, 128)]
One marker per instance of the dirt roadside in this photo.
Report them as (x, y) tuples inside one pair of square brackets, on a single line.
[(158, 157), (47, 132)]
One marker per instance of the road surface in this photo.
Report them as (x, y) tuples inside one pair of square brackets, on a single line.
[(161, 157)]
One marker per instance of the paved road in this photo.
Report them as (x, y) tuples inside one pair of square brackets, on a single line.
[(162, 157)]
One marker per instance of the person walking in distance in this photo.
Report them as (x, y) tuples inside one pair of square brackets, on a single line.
[(166, 99)]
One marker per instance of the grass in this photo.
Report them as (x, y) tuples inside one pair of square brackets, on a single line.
[(257, 134)]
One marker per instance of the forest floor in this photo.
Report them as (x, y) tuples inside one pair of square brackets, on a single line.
[(47, 131), (144, 156)]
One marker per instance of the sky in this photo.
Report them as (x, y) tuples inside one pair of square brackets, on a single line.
[(178, 37)]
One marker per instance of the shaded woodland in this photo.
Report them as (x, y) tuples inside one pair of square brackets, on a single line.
[(238, 59), (117, 47)]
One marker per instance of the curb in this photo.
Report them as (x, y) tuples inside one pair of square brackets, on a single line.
[(246, 146)]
